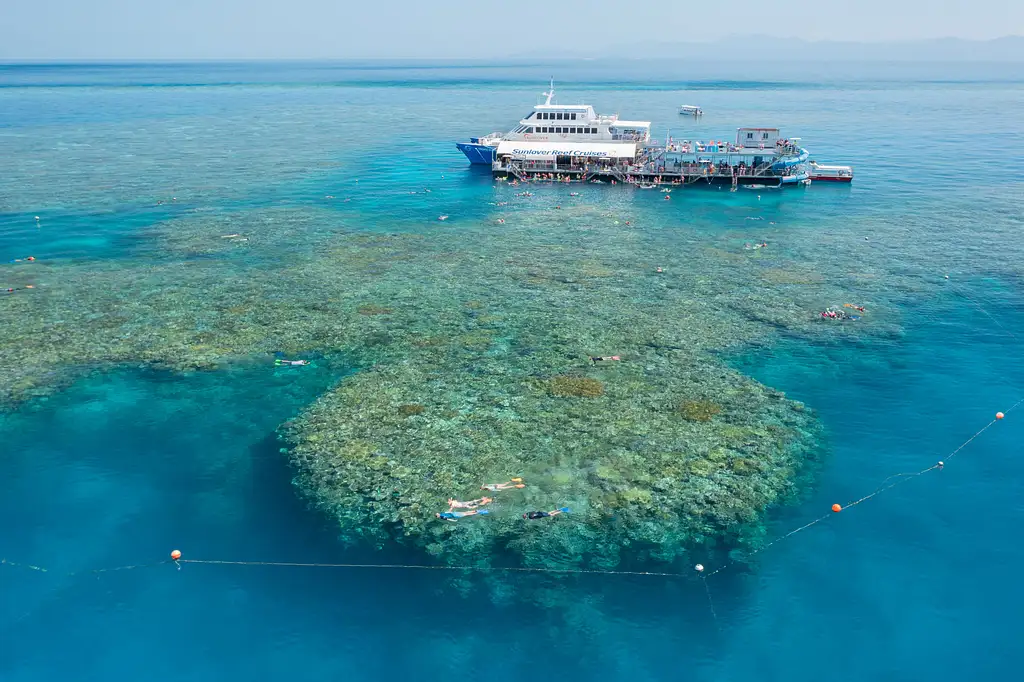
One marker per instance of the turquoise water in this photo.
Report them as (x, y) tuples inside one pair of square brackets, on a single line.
[(130, 167)]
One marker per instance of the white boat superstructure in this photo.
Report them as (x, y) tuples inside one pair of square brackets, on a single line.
[(691, 110), (550, 122), (552, 128)]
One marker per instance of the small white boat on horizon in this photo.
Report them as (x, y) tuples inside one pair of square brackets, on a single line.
[(691, 110)]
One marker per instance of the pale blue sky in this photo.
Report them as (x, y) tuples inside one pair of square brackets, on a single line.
[(320, 29)]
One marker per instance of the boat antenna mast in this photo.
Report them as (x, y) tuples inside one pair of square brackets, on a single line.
[(550, 93)]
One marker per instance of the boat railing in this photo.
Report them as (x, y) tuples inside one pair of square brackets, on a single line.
[(523, 168), (762, 170)]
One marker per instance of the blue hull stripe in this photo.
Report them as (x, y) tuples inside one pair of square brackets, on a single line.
[(477, 153)]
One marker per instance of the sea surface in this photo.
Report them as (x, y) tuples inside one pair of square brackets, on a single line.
[(128, 462)]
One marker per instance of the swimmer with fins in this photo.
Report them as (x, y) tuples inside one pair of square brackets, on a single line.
[(495, 487), (543, 514), (454, 504), (603, 358), (456, 515)]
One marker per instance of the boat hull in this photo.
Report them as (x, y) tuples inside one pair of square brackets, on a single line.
[(829, 178), (477, 153)]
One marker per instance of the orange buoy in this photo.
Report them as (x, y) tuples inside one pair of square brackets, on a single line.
[(837, 507), (999, 415), (175, 554)]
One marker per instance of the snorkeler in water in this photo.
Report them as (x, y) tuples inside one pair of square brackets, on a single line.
[(495, 487), (543, 514), (456, 515), (454, 504), (600, 358), (290, 363)]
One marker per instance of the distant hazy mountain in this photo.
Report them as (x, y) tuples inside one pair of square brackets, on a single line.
[(769, 48)]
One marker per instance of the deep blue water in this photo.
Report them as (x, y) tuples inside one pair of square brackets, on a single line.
[(122, 466)]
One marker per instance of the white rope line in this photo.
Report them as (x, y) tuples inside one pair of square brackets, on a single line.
[(899, 478)]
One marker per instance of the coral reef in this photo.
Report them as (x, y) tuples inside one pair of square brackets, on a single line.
[(698, 410), (575, 387), (472, 346)]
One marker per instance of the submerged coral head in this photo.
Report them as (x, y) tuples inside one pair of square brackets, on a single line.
[(575, 387)]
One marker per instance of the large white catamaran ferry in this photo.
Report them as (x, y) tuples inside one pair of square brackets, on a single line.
[(551, 129), (570, 142)]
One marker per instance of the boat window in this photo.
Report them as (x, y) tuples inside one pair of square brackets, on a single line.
[(558, 116), (529, 130), (750, 136), (573, 116)]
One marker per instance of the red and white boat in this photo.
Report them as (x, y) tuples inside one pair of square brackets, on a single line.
[(819, 173)]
